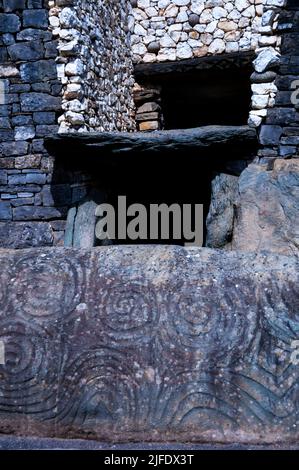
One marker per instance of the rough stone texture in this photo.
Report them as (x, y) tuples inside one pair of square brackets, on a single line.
[(267, 208), (173, 30), (19, 235), (39, 443), (170, 30), (28, 110), (220, 219), (149, 343), (94, 77), (87, 59)]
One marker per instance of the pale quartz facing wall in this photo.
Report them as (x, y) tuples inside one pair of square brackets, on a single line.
[(99, 41)]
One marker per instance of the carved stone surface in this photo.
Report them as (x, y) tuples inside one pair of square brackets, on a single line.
[(149, 343), (173, 140), (267, 208)]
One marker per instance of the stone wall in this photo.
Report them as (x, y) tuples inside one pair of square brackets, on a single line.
[(182, 29), (84, 84), (29, 111), (165, 30), (94, 64)]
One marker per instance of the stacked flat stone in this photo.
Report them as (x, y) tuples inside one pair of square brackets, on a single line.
[(149, 115), (279, 133), (94, 64), (28, 111), (169, 30)]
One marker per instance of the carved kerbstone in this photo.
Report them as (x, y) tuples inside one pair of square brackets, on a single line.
[(149, 343)]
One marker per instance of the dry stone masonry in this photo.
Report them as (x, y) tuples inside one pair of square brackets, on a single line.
[(146, 343), (29, 112), (182, 29), (67, 66), (280, 129), (94, 64)]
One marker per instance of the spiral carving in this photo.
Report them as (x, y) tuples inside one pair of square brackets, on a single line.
[(46, 289), (128, 311)]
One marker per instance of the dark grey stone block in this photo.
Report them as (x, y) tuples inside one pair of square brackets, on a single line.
[(12, 5), (281, 116), (36, 178), (16, 179), (22, 120), (4, 123), (270, 135), (56, 195), (3, 177), (30, 50), (31, 34)]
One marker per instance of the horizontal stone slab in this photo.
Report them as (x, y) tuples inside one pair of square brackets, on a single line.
[(149, 344), (158, 141)]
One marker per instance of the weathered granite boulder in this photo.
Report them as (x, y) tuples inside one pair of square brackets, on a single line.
[(267, 208), (149, 343)]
